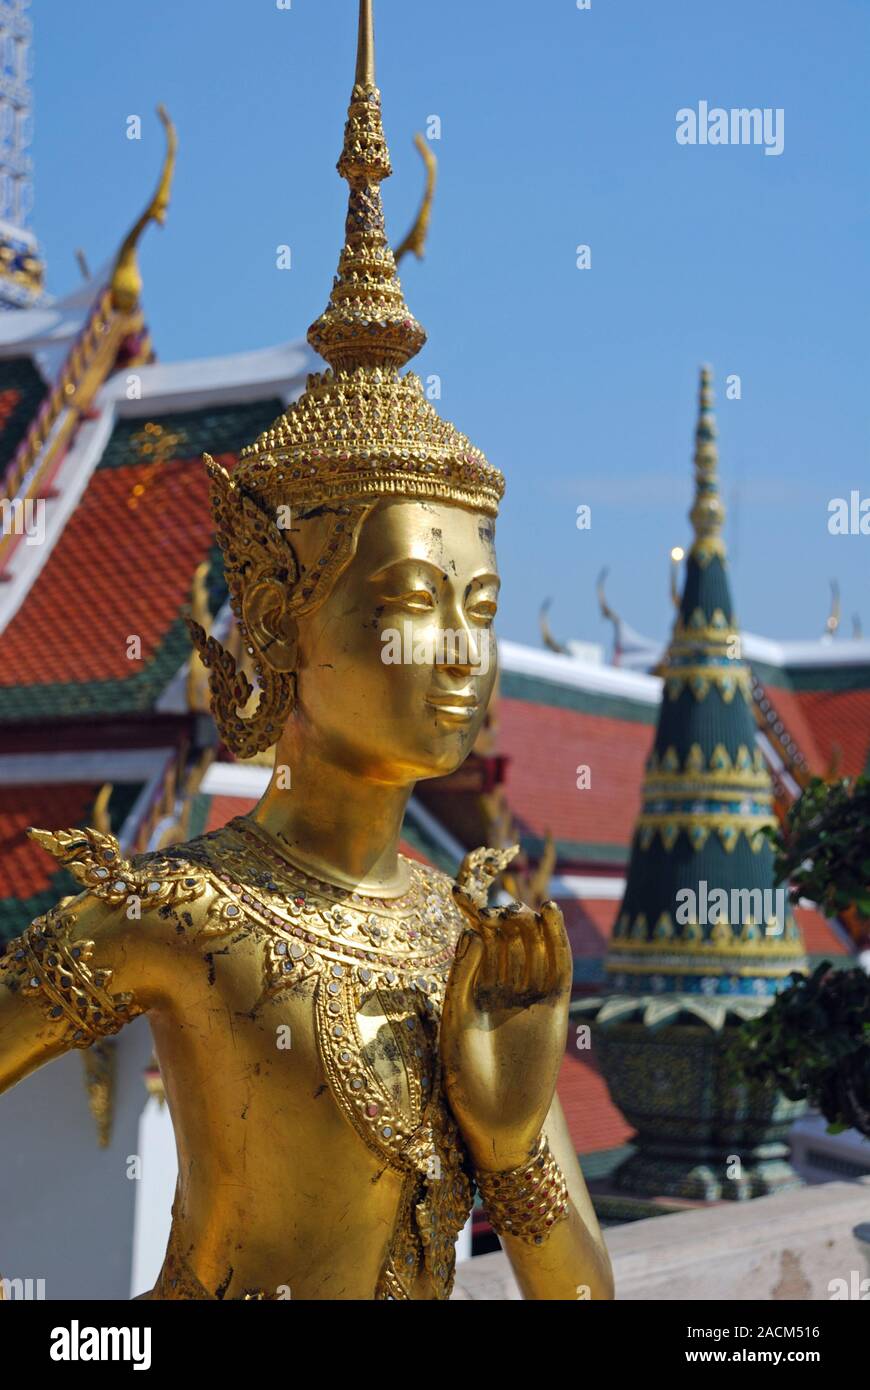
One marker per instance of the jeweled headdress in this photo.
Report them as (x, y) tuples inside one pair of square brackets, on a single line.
[(359, 432)]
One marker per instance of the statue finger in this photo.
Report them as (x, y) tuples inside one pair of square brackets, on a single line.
[(537, 956), (561, 964), (467, 959), (512, 956)]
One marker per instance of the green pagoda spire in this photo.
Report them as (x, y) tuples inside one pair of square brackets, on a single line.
[(703, 938)]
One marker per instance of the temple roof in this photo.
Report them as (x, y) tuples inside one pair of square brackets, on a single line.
[(30, 881), (144, 512), (22, 391)]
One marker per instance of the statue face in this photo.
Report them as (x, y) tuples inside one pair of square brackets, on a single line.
[(397, 665)]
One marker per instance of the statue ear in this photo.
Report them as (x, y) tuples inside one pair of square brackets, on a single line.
[(269, 625)]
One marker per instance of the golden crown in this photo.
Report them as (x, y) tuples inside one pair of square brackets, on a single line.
[(360, 430)]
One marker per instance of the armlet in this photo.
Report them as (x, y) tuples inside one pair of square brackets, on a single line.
[(526, 1202), (46, 963)]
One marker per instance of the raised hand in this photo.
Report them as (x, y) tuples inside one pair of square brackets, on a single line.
[(504, 1025)]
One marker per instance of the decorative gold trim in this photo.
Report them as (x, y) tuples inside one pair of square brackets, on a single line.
[(96, 862), (528, 1201), (783, 947), (56, 969), (729, 680), (712, 787), (746, 769), (698, 826)]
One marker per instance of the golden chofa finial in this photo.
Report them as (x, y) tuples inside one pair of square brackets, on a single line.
[(126, 282), (367, 322), (416, 239), (708, 512)]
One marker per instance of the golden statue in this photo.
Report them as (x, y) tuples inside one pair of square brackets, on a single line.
[(349, 1041)]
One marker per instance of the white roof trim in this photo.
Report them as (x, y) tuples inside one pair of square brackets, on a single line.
[(235, 779), (806, 654), (582, 886), (233, 380), (110, 765), (580, 675), (70, 482)]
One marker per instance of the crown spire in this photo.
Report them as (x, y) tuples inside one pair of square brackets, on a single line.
[(708, 512), (365, 49), (366, 322)]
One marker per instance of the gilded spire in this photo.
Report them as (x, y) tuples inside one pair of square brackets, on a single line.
[(708, 512), (365, 46), (367, 322)]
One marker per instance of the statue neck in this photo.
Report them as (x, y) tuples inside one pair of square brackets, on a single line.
[(336, 824)]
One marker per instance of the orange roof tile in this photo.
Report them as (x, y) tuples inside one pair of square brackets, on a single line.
[(546, 744), (840, 723), (25, 869), (117, 571), (593, 1120), (589, 923), (819, 935)]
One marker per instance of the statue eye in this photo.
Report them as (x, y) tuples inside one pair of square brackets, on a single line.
[(483, 611), (419, 600)]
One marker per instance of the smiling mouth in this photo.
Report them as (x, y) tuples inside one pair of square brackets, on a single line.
[(458, 706)]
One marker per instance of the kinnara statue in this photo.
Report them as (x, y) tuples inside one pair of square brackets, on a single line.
[(349, 1041)]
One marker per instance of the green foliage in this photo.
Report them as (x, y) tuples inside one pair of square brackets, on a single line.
[(814, 1043), (814, 1040), (823, 849)]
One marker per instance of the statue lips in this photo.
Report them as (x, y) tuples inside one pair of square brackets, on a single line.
[(458, 705)]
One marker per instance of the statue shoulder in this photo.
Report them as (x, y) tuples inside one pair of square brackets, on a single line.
[(179, 884), (480, 868)]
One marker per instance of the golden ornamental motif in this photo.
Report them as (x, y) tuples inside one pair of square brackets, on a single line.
[(728, 680), (366, 432), (528, 1201), (47, 962), (256, 550), (699, 825), (743, 938), (95, 861)]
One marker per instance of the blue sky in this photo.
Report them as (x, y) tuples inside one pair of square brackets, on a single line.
[(558, 128)]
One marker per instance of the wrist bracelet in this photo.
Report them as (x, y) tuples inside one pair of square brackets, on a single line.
[(527, 1201)]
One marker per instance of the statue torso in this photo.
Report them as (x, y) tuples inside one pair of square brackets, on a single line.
[(298, 1040)]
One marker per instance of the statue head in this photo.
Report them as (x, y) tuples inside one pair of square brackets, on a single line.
[(358, 532)]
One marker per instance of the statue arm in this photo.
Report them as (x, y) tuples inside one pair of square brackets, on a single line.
[(74, 976), (572, 1262)]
